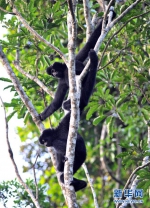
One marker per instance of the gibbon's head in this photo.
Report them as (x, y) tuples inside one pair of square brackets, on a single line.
[(46, 137), (56, 70)]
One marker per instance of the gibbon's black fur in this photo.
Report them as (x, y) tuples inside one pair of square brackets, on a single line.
[(57, 137), (87, 83), (60, 71)]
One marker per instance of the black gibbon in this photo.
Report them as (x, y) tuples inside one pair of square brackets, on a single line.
[(57, 137), (60, 71)]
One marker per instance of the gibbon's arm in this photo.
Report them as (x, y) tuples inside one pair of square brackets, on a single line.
[(79, 67), (56, 103), (89, 83), (60, 161), (83, 53), (63, 127)]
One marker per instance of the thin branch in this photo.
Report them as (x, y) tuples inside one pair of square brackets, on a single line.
[(108, 42), (105, 15), (71, 9), (7, 11), (132, 174), (91, 185), (113, 59), (148, 140), (45, 105), (36, 35), (102, 5), (89, 30), (94, 19), (34, 78), (111, 174), (143, 92), (103, 35), (101, 149), (36, 63), (18, 44), (20, 90), (145, 162), (35, 201), (125, 12), (134, 183), (104, 165), (111, 24), (37, 191), (96, 48), (119, 160)]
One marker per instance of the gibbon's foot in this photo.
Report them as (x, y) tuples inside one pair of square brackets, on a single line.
[(65, 159), (67, 105), (114, 13), (78, 184), (41, 118), (93, 56)]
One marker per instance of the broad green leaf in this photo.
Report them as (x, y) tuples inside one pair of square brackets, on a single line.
[(11, 115), (145, 113), (97, 120), (123, 154), (110, 126), (121, 116), (92, 110), (5, 79), (10, 104)]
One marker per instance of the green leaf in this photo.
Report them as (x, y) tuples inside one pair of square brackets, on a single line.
[(26, 118), (56, 7), (141, 78), (92, 110), (9, 86), (47, 60), (10, 105), (11, 115), (104, 60), (22, 111), (147, 63), (113, 74), (145, 113), (97, 120), (31, 5), (128, 163), (5, 79), (123, 154), (144, 185), (121, 116), (100, 14), (141, 184), (108, 119), (136, 59), (110, 126), (96, 5), (121, 100)]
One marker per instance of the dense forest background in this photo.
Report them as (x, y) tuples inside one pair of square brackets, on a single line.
[(115, 123)]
